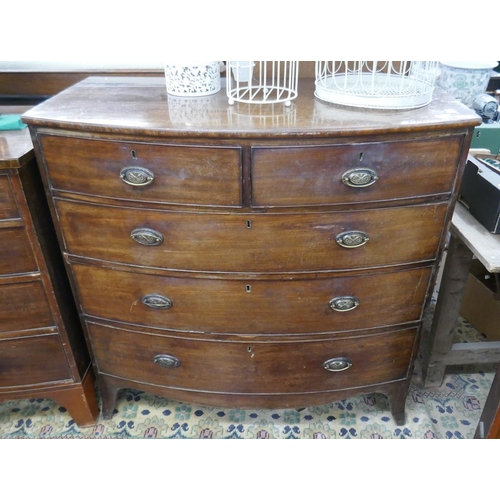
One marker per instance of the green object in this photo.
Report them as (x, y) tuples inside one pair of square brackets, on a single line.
[(11, 122), (487, 136)]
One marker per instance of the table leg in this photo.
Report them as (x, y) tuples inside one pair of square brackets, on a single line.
[(440, 338)]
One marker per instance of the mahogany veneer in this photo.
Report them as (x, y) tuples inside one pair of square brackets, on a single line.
[(249, 256)]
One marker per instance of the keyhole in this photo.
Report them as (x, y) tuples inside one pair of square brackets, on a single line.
[(248, 288), (249, 224), (361, 155), (134, 154), (249, 349)]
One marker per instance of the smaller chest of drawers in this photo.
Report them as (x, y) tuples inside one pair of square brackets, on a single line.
[(42, 348)]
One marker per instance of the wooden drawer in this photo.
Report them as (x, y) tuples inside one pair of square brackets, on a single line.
[(32, 360), (252, 242), (15, 252), (252, 367), (253, 306), (23, 306), (313, 175), (182, 174), (8, 205)]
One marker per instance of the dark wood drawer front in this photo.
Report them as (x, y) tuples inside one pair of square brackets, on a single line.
[(33, 360), (23, 306), (313, 175), (252, 242), (261, 306), (252, 367), (8, 206), (182, 174), (15, 252)]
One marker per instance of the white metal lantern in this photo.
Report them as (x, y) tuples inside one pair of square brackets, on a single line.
[(262, 82), (376, 84)]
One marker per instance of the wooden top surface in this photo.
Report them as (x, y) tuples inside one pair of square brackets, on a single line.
[(484, 245), (16, 148), (142, 105)]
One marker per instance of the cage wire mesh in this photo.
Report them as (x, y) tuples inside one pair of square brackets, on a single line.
[(262, 82), (376, 84)]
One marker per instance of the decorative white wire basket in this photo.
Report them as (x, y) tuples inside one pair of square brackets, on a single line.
[(376, 84), (262, 82)]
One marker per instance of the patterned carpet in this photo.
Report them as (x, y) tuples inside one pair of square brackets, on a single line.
[(451, 411)]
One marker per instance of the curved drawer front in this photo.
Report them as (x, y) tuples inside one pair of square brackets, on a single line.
[(260, 306), (24, 306), (314, 175), (180, 174), (33, 360), (8, 205), (252, 367), (253, 242), (16, 256)]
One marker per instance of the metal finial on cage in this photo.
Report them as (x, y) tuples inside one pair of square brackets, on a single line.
[(376, 84), (262, 82)]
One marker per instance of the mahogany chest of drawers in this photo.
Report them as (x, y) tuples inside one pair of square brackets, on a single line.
[(249, 256), (42, 347)]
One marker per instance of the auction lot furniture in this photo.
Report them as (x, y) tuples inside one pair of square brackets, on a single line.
[(249, 255), (42, 348)]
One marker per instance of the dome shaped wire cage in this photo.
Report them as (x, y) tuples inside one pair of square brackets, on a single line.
[(376, 84), (262, 82)]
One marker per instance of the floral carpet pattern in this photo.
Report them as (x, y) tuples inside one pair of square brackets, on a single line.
[(451, 411)]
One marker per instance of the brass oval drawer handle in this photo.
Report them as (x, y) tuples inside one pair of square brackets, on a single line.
[(352, 239), (337, 364), (146, 236), (345, 303), (167, 361), (359, 177), (137, 176), (156, 301)]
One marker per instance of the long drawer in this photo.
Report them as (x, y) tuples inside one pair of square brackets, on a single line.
[(16, 256), (32, 360), (252, 242), (252, 367), (151, 172), (353, 173), (253, 306), (24, 306)]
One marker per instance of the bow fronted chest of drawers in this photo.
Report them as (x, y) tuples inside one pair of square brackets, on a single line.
[(249, 256)]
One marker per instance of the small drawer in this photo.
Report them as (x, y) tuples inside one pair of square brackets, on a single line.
[(32, 360), (253, 306), (8, 205), (355, 173), (145, 172), (271, 243), (253, 367), (24, 306), (16, 256)]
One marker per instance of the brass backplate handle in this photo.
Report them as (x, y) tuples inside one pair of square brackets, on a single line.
[(146, 236), (352, 239), (167, 361), (137, 176), (156, 301), (359, 177), (344, 303), (337, 364)]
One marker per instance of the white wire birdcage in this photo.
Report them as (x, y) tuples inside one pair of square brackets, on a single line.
[(262, 82), (376, 84)]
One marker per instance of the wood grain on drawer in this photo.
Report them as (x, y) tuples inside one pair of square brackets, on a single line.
[(182, 174), (32, 360), (252, 367), (253, 306), (8, 206), (313, 175), (23, 306), (252, 242), (15, 252)]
